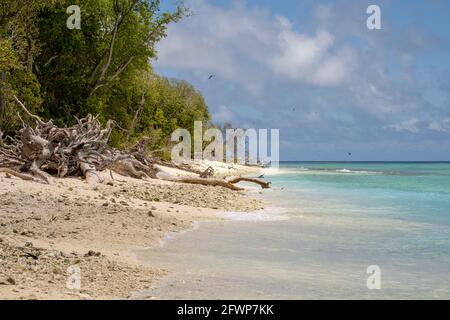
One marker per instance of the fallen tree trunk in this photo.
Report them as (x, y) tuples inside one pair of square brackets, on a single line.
[(202, 181), (263, 184)]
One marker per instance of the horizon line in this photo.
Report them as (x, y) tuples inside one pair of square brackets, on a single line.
[(372, 161)]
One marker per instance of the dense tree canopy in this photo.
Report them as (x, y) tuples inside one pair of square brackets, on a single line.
[(103, 68)]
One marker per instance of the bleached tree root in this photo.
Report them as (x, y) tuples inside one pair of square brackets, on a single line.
[(128, 169), (82, 150), (91, 174), (46, 150), (17, 174), (35, 171)]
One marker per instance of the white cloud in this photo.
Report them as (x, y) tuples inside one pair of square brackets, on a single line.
[(309, 59), (223, 115), (378, 96), (441, 126), (251, 47), (313, 116), (323, 13), (270, 63), (408, 125), (229, 43)]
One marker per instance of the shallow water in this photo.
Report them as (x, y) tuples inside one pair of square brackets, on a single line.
[(342, 218)]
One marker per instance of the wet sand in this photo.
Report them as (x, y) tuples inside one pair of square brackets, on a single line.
[(305, 257), (45, 229)]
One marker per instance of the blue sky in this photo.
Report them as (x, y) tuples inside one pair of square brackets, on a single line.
[(313, 70)]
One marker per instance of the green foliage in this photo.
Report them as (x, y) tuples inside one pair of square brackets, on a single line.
[(103, 68), (166, 106), (78, 67), (17, 49), (15, 79)]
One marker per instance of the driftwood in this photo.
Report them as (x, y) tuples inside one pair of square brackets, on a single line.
[(209, 172), (230, 184), (45, 151), (193, 180), (17, 174), (263, 184), (211, 182)]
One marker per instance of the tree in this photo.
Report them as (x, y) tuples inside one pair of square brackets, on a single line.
[(102, 69), (18, 50), (78, 68)]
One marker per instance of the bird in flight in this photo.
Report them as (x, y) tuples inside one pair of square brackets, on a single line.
[(210, 77)]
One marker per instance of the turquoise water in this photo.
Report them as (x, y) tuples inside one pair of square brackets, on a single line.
[(410, 191), (325, 225), (394, 214)]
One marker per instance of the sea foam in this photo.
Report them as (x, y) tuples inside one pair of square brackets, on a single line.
[(267, 214)]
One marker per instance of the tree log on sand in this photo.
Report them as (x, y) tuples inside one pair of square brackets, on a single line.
[(263, 184), (202, 181)]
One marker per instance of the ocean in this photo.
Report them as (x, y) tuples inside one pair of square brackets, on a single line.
[(327, 226)]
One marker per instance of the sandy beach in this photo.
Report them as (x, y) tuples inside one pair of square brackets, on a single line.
[(45, 229)]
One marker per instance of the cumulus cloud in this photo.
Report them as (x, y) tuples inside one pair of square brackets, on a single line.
[(251, 46), (313, 116), (323, 77), (253, 50), (309, 59), (223, 115), (440, 126), (230, 43), (407, 125)]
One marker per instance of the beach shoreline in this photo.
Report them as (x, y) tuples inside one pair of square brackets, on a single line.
[(46, 230), (343, 219)]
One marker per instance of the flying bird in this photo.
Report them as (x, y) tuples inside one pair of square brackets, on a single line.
[(210, 77)]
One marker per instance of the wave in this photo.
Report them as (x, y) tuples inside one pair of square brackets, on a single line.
[(303, 170), (279, 171), (315, 170), (387, 173), (358, 171)]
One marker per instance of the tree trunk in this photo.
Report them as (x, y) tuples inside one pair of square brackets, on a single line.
[(2, 98), (263, 184), (136, 118)]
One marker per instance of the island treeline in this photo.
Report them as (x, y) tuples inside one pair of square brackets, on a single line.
[(104, 68)]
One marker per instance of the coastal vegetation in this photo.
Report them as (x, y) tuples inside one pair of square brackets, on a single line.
[(85, 104), (91, 92), (103, 68)]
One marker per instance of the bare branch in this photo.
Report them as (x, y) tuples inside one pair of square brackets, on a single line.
[(136, 117), (35, 117), (50, 60)]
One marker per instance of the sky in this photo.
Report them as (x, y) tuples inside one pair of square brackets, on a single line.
[(313, 70)]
